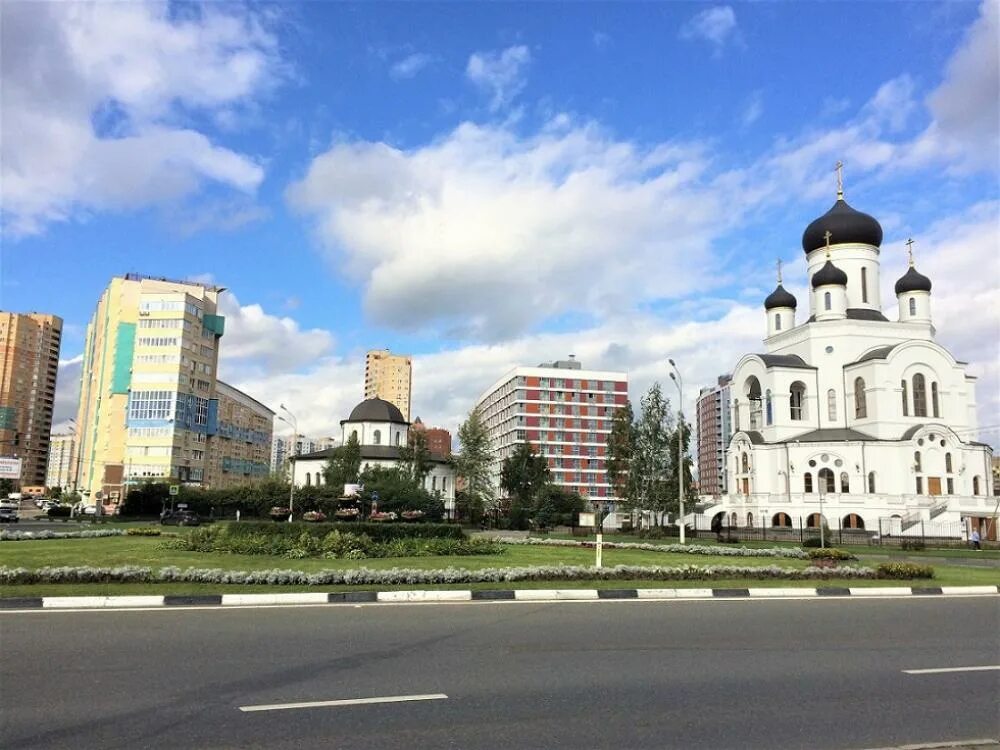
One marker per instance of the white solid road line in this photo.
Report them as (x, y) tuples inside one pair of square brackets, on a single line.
[(348, 702), (942, 670)]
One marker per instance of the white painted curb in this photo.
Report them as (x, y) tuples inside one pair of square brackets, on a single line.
[(540, 595), (100, 602), (244, 600), (778, 593), (880, 591), (424, 596), (952, 590), (675, 594)]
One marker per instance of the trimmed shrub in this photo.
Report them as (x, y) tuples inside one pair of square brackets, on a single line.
[(378, 532), (830, 553), (142, 531), (689, 549), (27, 536), (914, 545), (904, 571), (815, 541)]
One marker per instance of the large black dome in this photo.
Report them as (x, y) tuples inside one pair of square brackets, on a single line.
[(780, 297), (913, 281), (845, 225), (829, 274), (376, 410)]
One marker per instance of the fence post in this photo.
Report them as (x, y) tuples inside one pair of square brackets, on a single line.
[(801, 537)]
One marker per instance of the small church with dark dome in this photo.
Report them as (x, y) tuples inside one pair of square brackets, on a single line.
[(381, 431), (849, 418)]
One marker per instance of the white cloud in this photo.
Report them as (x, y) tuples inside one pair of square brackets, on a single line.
[(410, 65), (97, 97), (67, 392), (753, 110), (716, 25), (499, 74)]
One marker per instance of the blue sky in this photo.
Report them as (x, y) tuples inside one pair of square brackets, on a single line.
[(488, 184)]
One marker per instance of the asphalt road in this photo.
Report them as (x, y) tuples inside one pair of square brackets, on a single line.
[(715, 674)]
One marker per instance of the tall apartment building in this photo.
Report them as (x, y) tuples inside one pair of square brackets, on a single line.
[(389, 377), (29, 361), (148, 385), (564, 412), (240, 449), (282, 448), (62, 455), (714, 432), (438, 438)]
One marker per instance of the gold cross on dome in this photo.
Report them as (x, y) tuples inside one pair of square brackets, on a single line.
[(779, 270), (909, 249), (839, 168), (827, 235)]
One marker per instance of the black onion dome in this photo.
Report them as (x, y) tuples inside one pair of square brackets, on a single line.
[(829, 274), (913, 281), (845, 225), (780, 297), (376, 410)]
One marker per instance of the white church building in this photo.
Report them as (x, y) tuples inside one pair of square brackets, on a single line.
[(869, 419), (381, 431)]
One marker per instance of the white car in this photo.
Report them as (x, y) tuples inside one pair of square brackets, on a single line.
[(10, 504)]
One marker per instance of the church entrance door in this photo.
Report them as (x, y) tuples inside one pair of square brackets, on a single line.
[(933, 485)]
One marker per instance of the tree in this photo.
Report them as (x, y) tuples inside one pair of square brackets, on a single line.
[(522, 476), (415, 457), (621, 452), (473, 464), (555, 506), (651, 462), (398, 491), (344, 465)]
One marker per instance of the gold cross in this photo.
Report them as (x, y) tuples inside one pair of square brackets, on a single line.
[(909, 249), (840, 180), (828, 236), (779, 270)]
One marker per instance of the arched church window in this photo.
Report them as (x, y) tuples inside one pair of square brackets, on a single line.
[(354, 434), (768, 409), (807, 482), (308, 479), (754, 400), (777, 321), (736, 414), (864, 285), (917, 463), (906, 399), (871, 482), (399, 437), (377, 437), (745, 463), (827, 482), (796, 407), (913, 307), (947, 463), (919, 395), (827, 301), (975, 485), (845, 482), (860, 400), (935, 402), (831, 404)]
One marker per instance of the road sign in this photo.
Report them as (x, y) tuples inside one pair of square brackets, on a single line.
[(10, 468), (175, 490), (182, 506)]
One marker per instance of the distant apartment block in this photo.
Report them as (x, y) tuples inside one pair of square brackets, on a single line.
[(438, 438), (282, 448), (390, 377), (239, 451), (714, 432), (29, 361), (564, 412), (62, 455)]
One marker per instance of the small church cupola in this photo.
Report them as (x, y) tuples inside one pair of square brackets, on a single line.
[(780, 306), (829, 289), (913, 291)]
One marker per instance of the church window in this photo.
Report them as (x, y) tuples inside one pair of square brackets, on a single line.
[(777, 321), (377, 437), (951, 485), (935, 402), (871, 481), (745, 463), (807, 482), (827, 301), (947, 463), (917, 463), (906, 400), (827, 482), (399, 438), (975, 485), (860, 401), (920, 485), (913, 307), (919, 395), (864, 285), (831, 404), (769, 411), (797, 394), (308, 479), (354, 434), (736, 414), (845, 482)]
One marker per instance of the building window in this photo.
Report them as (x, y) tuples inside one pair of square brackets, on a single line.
[(777, 321), (913, 307), (807, 482), (860, 402), (935, 403), (917, 464), (831, 404), (797, 394), (871, 481), (947, 463), (745, 463), (845, 482), (308, 479), (434, 484), (864, 285), (768, 411), (377, 437), (920, 485), (827, 482), (399, 438), (354, 434), (736, 414), (906, 400), (151, 405), (919, 395), (975, 485), (951, 485)]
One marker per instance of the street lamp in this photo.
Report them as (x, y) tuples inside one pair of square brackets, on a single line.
[(294, 423), (679, 382)]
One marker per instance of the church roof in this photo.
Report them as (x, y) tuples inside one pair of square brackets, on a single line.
[(376, 410), (881, 353), (829, 274), (780, 297), (859, 313), (373, 452), (785, 360), (913, 281), (845, 225), (829, 435)]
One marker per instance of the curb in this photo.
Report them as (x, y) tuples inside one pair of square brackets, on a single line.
[(450, 595)]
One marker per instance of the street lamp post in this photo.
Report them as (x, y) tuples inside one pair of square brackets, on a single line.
[(679, 382), (294, 423)]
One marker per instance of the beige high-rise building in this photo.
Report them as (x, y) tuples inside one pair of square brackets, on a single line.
[(240, 450), (29, 361), (148, 384), (62, 452), (390, 377)]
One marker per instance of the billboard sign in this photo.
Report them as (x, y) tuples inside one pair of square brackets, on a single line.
[(10, 468)]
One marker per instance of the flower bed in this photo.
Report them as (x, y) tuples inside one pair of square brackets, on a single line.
[(380, 532), (690, 549), (397, 576), (25, 536)]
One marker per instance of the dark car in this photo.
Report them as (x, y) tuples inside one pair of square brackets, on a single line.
[(8, 515), (180, 518)]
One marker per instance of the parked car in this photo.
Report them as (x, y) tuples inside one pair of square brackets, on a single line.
[(10, 504), (180, 518), (8, 515)]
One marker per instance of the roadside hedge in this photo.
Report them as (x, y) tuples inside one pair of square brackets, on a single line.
[(378, 532), (25, 536), (688, 549)]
